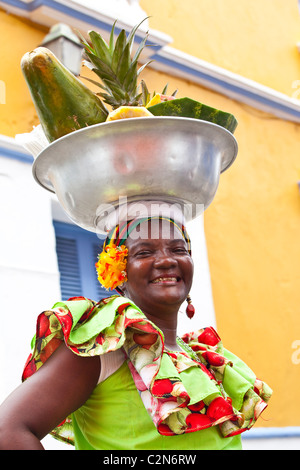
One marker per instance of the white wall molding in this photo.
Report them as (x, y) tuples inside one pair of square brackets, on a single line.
[(237, 87), (11, 149), (82, 16), (281, 438), (271, 433)]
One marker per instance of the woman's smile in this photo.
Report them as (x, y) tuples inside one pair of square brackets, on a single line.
[(166, 280)]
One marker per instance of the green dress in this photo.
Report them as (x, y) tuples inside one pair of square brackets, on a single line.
[(114, 418), (200, 398)]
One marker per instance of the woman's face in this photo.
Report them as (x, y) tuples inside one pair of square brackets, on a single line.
[(159, 267)]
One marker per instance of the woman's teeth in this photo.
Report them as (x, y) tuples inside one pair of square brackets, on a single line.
[(164, 279)]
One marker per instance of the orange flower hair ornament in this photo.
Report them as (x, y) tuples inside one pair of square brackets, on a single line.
[(111, 265)]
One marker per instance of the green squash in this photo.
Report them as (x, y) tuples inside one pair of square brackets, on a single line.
[(63, 103)]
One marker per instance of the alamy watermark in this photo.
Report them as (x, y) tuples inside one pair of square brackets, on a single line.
[(2, 92), (296, 353), (296, 86), (109, 215)]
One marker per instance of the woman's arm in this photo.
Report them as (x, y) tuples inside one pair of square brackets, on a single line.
[(58, 388)]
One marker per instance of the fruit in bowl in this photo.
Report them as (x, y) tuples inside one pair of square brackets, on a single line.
[(64, 104)]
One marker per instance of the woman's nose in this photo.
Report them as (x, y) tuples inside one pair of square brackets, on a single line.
[(163, 259)]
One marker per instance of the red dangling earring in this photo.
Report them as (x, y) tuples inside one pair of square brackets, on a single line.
[(190, 309)]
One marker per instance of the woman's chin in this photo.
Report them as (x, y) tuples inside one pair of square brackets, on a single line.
[(167, 293)]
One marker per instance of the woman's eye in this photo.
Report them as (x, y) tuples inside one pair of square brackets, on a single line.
[(180, 250), (143, 253)]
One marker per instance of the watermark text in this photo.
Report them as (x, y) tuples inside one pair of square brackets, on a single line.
[(296, 353), (110, 215), (296, 86), (2, 92)]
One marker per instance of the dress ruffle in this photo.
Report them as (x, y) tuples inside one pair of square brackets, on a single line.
[(181, 393)]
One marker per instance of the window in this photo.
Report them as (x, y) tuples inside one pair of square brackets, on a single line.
[(77, 252)]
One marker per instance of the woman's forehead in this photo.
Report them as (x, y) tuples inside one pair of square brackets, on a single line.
[(155, 229)]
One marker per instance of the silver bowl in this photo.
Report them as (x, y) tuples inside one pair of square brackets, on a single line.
[(169, 159)]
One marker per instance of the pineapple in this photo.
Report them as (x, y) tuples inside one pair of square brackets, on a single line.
[(118, 72), (124, 112)]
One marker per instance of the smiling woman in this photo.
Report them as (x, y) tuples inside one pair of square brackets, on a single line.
[(120, 358)]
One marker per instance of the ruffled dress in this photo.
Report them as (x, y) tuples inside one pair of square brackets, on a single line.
[(202, 397)]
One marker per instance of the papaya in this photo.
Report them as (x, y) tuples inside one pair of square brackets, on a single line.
[(186, 107), (62, 102)]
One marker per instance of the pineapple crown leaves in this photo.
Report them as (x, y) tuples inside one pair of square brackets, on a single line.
[(113, 64)]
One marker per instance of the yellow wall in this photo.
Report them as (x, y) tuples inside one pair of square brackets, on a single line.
[(17, 114), (252, 227), (256, 38)]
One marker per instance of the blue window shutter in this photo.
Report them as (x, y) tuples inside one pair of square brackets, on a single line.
[(67, 257), (77, 252)]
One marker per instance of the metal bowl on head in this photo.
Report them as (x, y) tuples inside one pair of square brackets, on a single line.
[(177, 160)]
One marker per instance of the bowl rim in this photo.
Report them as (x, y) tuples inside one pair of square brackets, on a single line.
[(41, 177)]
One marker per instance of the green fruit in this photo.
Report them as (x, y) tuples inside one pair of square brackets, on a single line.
[(63, 103), (186, 107)]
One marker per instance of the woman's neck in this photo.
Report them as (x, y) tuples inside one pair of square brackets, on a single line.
[(169, 328), (166, 320)]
